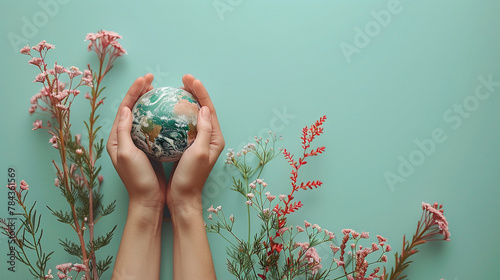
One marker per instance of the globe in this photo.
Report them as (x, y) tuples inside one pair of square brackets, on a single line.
[(164, 123)]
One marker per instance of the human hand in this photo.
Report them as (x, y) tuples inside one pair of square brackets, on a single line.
[(191, 171), (144, 179)]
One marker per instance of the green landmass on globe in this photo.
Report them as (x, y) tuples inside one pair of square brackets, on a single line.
[(164, 123)]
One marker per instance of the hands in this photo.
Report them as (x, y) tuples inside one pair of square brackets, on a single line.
[(149, 190), (144, 179)]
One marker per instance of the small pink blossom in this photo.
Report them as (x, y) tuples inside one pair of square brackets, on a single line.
[(65, 267), (32, 109), (212, 209), (36, 61), (249, 202), (330, 234), (62, 107), (210, 216), (250, 195), (384, 258), (259, 181), (231, 218), (381, 239), (270, 197), (40, 78), (282, 197), (307, 224), (79, 267), (388, 248), (334, 248), (53, 140), (26, 50), (300, 229), (37, 124), (79, 151), (24, 186), (100, 178), (374, 247), (365, 235), (252, 185), (58, 68), (56, 182), (318, 228), (346, 231), (61, 275), (354, 234), (264, 184)]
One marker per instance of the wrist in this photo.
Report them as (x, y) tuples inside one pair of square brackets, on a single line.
[(145, 215)]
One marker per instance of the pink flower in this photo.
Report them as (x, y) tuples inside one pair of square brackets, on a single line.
[(37, 124), (270, 197), (282, 197), (53, 140), (381, 239), (259, 181), (365, 235), (87, 95), (100, 178), (374, 247), (252, 185), (65, 267), (36, 61), (307, 224), (79, 267), (32, 109), (250, 195), (346, 231), (79, 151), (56, 182), (62, 107), (384, 258), (24, 186), (210, 216), (211, 209), (318, 228), (300, 229), (388, 248), (329, 234), (334, 248), (249, 202), (58, 68), (40, 78), (354, 234), (61, 275), (231, 218), (26, 50), (339, 263)]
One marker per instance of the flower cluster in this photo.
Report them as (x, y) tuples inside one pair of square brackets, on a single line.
[(77, 173), (281, 251)]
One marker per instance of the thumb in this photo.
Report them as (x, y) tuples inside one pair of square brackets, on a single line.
[(204, 128), (123, 130)]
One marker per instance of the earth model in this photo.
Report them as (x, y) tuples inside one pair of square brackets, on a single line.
[(164, 123)]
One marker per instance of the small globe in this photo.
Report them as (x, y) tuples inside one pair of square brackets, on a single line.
[(164, 123)]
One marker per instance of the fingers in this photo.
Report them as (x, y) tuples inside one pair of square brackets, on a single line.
[(204, 127), (124, 127), (140, 86)]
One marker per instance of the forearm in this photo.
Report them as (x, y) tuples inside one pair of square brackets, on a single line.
[(192, 256), (140, 248)]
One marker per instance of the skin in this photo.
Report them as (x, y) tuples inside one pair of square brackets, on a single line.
[(149, 191)]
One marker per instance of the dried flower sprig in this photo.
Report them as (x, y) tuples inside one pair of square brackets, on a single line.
[(77, 174), (431, 225)]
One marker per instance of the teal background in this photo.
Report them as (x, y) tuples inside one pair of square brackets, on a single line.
[(279, 65)]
